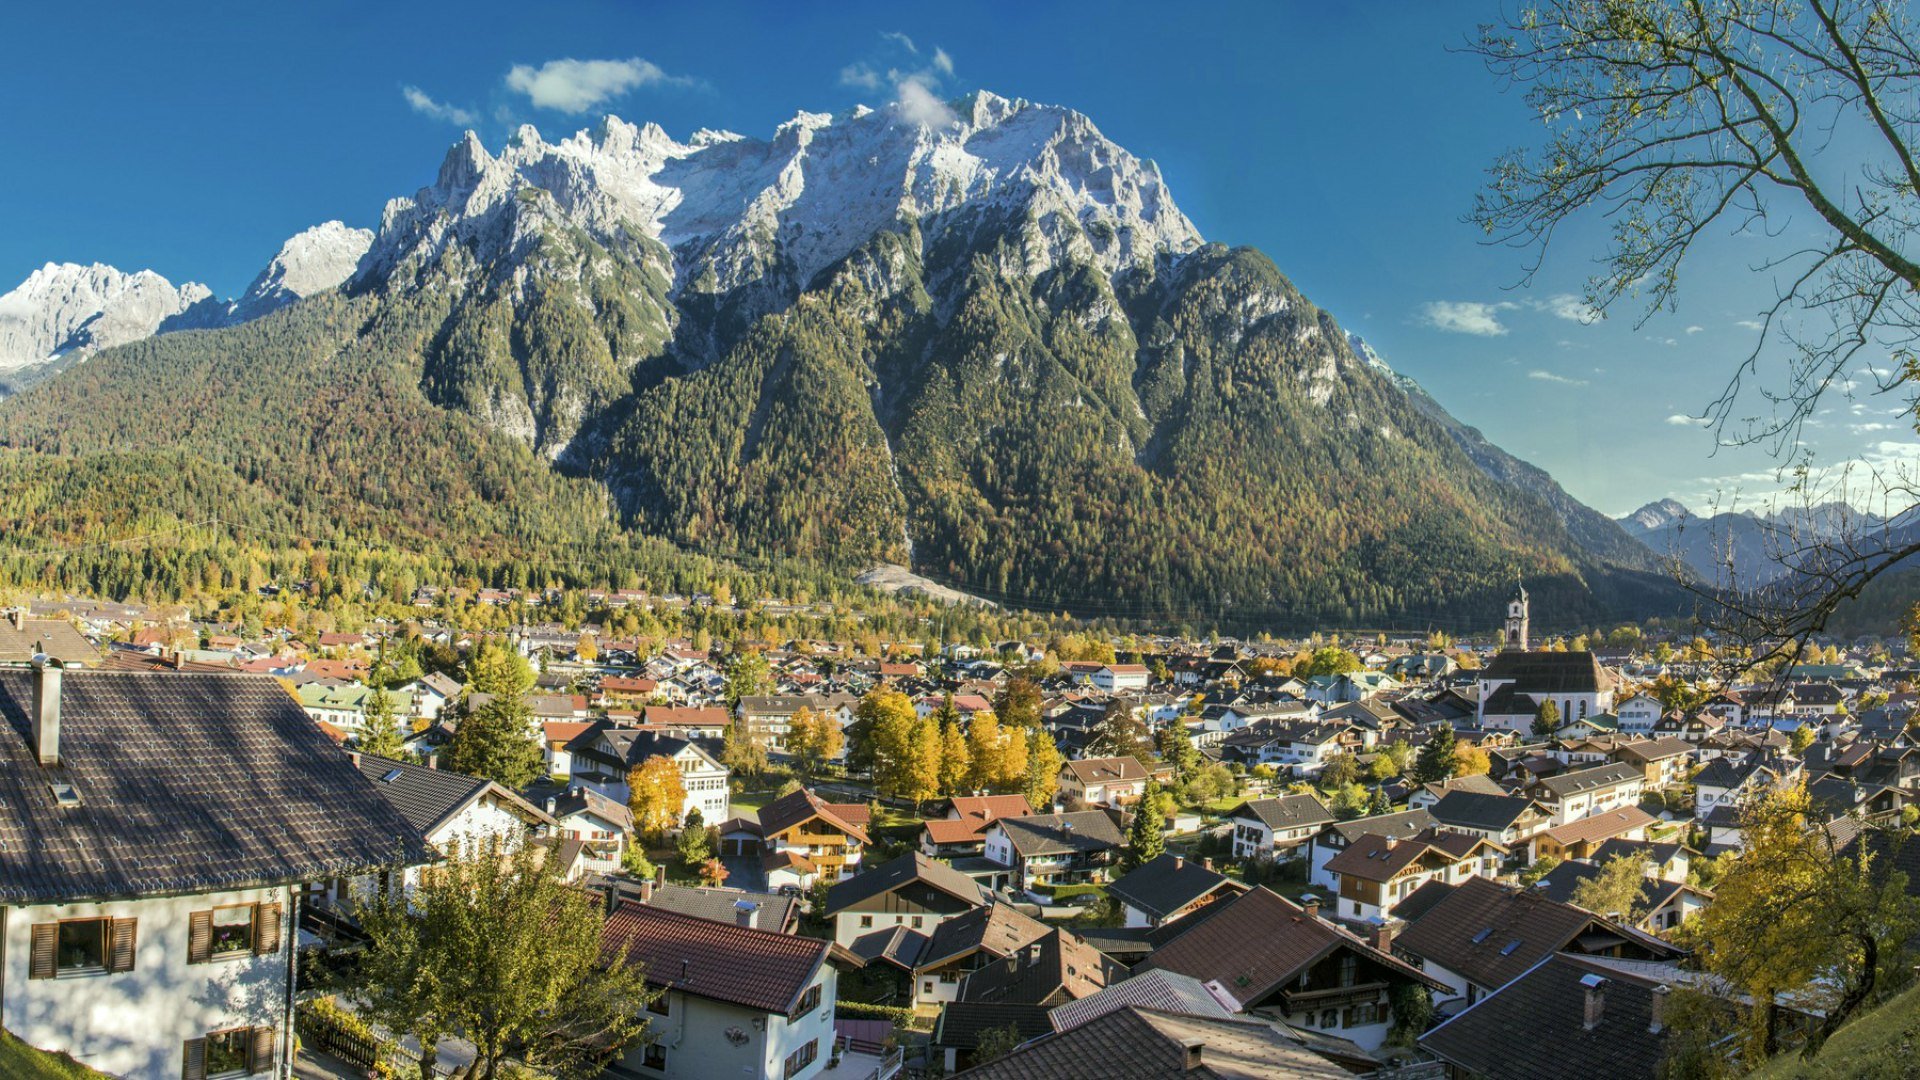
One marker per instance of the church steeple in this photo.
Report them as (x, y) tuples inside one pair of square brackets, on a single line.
[(1517, 621)]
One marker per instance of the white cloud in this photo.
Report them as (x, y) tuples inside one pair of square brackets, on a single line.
[(920, 104), (1465, 317), (1682, 420), (1548, 376), (1569, 307), (1751, 324), (418, 100), (860, 75), (916, 85), (1868, 428), (574, 86), (900, 39), (942, 62), (1695, 329)]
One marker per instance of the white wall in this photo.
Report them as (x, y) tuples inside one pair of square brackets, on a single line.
[(695, 1031), (136, 1023)]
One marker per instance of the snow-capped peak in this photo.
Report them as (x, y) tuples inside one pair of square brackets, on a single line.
[(805, 198), (1656, 515), (312, 261), (64, 307)]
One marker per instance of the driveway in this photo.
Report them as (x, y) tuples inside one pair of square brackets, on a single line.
[(745, 872)]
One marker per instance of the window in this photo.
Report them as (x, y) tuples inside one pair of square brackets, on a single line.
[(228, 1052), (866, 921), (1349, 965), (926, 987), (801, 1058), (658, 1006), (656, 1057), (232, 931), (82, 946), (1330, 1018), (809, 1001), (918, 921)]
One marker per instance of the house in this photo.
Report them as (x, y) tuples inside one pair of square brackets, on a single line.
[(1168, 888), (1054, 970), (1277, 828), (1115, 677), (1637, 715), (1507, 820), (1138, 1041), (1338, 836), (159, 831), (963, 830), (605, 754), (22, 638), (1517, 682), (1272, 955), (1480, 935), (760, 910), (1580, 838), (599, 824), (1054, 849), (1664, 761), (735, 1000), (431, 694), (801, 839), (1376, 872), (1108, 781), (940, 961), (1663, 904), (1575, 794), (1426, 795), (449, 809), (1566, 1018), (1303, 747), (1725, 782), (912, 891)]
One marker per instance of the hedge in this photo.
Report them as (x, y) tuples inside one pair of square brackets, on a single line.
[(860, 1010)]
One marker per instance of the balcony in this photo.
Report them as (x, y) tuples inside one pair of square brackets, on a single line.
[(1293, 1001)]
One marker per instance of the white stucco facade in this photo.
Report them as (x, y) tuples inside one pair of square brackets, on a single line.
[(700, 1038)]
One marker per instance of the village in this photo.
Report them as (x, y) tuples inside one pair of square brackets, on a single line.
[(1376, 857)]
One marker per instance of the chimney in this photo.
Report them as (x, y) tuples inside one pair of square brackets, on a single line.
[(1179, 861), (1383, 937), (660, 876), (46, 709), (433, 760), (1194, 1057), (1310, 904), (1659, 1008), (18, 617), (1596, 1001), (743, 912), (354, 756), (1206, 863)]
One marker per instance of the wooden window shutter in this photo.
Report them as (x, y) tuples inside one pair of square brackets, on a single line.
[(46, 940), (260, 1055), (200, 937), (195, 1066), (124, 935), (266, 929)]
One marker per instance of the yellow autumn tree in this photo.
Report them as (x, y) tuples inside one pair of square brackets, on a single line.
[(1010, 770), (657, 795), (956, 761), (922, 779), (984, 748)]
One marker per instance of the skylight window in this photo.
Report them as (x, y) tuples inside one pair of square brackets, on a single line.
[(1483, 935), (1510, 947), (391, 776)]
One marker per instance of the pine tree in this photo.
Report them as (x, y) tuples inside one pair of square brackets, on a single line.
[(1145, 839), (1436, 760), (1546, 720), (497, 741), (381, 728)]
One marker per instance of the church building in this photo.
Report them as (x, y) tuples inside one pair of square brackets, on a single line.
[(1519, 680)]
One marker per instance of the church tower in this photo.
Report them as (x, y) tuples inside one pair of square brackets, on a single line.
[(1517, 619)]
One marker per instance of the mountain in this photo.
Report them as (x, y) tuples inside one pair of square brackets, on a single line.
[(1750, 548), (983, 344), (63, 311)]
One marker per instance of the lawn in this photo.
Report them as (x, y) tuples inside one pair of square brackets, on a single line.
[(18, 1061), (738, 805), (1880, 1043)]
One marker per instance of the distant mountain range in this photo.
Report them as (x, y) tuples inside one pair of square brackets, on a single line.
[(1748, 549), (983, 343)]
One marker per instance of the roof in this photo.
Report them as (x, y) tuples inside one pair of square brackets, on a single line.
[(1059, 967), (1548, 672), (22, 639), (1491, 933), (1166, 883), (1666, 746), (1581, 781), (1107, 770), (996, 928), (961, 1023), (1132, 1043), (1476, 782), (1157, 989), (1378, 858), (430, 797), (1403, 823), (771, 912), (717, 960), (894, 873), (1284, 812), (1474, 810), (188, 783), (1259, 940), (896, 945), (1055, 834), (1602, 826), (972, 814), (1503, 1036), (799, 807)]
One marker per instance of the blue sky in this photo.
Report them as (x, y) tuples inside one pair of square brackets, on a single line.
[(1344, 140)]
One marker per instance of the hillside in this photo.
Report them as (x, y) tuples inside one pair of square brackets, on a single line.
[(18, 1061), (990, 350), (1881, 1043)]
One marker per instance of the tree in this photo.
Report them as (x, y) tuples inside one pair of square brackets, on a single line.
[(1332, 660), (497, 670), (1617, 890), (1145, 838), (1798, 908), (1341, 770), (633, 860), (492, 946), (694, 845), (713, 873), (1541, 867), (956, 761), (1175, 747), (1018, 702), (1470, 760), (814, 737), (984, 743), (497, 741), (1043, 770), (587, 649), (1378, 803), (1011, 769), (1546, 719), (1435, 761), (886, 721), (1120, 733), (1801, 738), (921, 777), (1382, 768), (747, 674), (1677, 120), (381, 728), (996, 1043), (657, 792), (741, 750)]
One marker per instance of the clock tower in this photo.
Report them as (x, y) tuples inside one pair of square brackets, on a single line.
[(1517, 619)]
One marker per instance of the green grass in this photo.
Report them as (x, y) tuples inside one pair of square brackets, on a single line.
[(1879, 1043), (18, 1061), (738, 805)]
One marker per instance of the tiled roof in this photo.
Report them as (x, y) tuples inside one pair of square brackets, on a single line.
[(961, 1023), (426, 797), (1169, 991), (1474, 810), (1667, 746), (1132, 1043), (21, 641), (1403, 823), (1284, 812), (1602, 826), (1166, 884), (799, 807), (1058, 968), (1491, 933), (1533, 1028), (772, 912), (187, 783), (716, 960), (1548, 672), (1254, 942), (894, 873), (897, 945), (1581, 781), (1107, 770), (1056, 834), (1379, 858), (997, 928)]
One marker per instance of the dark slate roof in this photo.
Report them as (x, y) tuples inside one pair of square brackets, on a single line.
[(1132, 1043), (1402, 824), (716, 960), (1166, 884), (1284, 812), (1548, 672), (772, 911), (894, 873), (1166, 990), (1054, 970), (1056, 834), (188, 783), (1581, 781), (1474, 810), (896, 945), (1533, 1029), (426, 797), (1491, 933), (998, 929), (962, 1023)]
